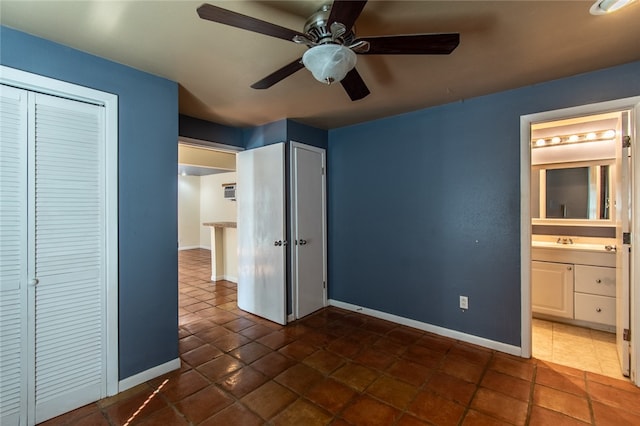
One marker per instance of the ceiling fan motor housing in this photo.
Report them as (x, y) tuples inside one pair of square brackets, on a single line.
[(318, 29)]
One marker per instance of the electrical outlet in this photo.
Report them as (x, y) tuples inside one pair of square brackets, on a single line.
[(464, 302)]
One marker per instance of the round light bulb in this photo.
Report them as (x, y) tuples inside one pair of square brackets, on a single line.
[(591, 136), (555, 140), (609, 134), (573, 138), (540, 142)]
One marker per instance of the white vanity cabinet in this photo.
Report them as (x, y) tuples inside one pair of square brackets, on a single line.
[(595, 294), (574, 285), (552, 288)]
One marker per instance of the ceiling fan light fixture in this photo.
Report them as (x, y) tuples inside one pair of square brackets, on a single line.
[(601, 7), (329, 62)]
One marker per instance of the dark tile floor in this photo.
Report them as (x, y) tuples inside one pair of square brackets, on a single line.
[(342, 368)]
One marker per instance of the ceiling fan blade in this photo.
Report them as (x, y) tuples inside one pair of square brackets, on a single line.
[(346, 12), (415, 44), (278, 75), (354, 85), (227, 17)]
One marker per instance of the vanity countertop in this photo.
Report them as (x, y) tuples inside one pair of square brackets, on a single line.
[(221, 224), (574, 246)]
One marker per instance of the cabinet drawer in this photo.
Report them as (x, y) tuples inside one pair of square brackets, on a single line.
[(595, 280), (600, 309)]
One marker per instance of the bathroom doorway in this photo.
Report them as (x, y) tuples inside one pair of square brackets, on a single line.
[(577, 267)]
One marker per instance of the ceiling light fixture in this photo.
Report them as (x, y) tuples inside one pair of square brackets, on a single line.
[(329, 62), (601, 7)]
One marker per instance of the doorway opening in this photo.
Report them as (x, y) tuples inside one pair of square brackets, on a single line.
[(578, 211)]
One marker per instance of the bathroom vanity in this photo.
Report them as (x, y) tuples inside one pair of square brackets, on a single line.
[(575, 283)]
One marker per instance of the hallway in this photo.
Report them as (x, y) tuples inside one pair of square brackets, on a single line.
[(342, 368)]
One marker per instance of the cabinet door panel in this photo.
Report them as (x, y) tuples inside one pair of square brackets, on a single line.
[(552, 289)]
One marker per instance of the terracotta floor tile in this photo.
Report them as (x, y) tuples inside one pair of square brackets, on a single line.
[(256, 331), (239, 324), (324, 361), (436, 409), (470, 353), (331, 395), (183, 385), (234, 415), (200, 355), (409, 420), (476, 418), (544, 417), (269, 399), (299, 378), (520, 369), (501, 406), (556, 380), (356, 376), (367, 411), (243, 381), (345, 347), (204, 403), (230, 341), (393, 391), (452, 388), (72, 416), (607, 415), (615, 397), (461, 369), (410, 372), (508, 385), (435, 343), (189, 342), (405, 335), (373, 358), (304, 413), (250, 352), (164, 417), (213, 333), (563, 402), (140, 406), (272, 364), (219, 367), (297, 350), (391, 347), (424, 356), (276, 339)]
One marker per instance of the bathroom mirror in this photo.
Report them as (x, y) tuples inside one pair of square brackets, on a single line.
[(571, 191)]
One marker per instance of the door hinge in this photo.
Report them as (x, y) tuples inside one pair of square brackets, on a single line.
[(626, 141), (626, 238), (626, 335), (324, 284), (322, 168)]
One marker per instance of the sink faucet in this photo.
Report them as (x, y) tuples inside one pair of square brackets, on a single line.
[(564, 241)]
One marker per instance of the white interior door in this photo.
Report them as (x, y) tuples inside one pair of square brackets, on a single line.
[(308, 228), (67, 321), (623, 252), (13, 255), (261, 232)]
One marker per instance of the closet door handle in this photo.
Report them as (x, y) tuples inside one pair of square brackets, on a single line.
[(34, 282)]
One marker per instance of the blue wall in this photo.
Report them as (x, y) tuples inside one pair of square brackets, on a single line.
[(425, 206), (148, 134)]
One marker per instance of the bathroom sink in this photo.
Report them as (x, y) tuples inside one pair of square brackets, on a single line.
[(574, 246)]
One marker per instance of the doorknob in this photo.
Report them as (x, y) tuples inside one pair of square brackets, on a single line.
[(302, 242)]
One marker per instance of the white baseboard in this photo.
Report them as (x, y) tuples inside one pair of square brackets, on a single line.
[(441, 331), (149, 374), (189, 247)]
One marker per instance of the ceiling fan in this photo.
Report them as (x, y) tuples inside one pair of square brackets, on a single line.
[(333, 44)]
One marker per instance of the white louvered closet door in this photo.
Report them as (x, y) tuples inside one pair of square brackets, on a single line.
[(66, 227), (13, 255)]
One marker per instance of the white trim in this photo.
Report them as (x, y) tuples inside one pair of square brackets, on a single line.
[(149, 374), (199, 143), (632, 103), (441, 331), (189, 247), (291, 318), (41, 84)]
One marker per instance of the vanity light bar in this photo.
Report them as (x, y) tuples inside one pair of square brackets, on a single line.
[(602, 135)]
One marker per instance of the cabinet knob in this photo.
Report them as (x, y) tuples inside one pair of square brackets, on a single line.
[(598, 310), (569, 268), (598, 280)]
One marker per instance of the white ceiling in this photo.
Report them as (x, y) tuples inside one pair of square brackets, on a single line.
[(504, 45)]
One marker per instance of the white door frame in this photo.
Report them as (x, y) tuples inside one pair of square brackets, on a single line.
[(526, 121), (38, 83), (292, 220)]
